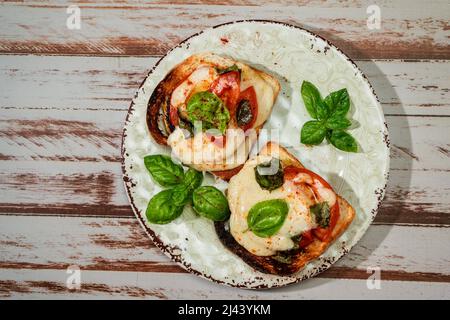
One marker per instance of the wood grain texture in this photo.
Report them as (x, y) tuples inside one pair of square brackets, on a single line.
[(74, 156), (418, 32), (62, 110), (71, 110), (120, 244), (50, 284), (55, 82)]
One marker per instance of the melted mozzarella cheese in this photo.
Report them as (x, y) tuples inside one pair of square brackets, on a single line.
[(244, 192), (200, 152), (199, 80), (325, 194), (203, 154), (265, 93)]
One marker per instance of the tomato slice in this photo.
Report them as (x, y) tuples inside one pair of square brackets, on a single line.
[(322, 234), (249, 94), (227, 88), (307, 239)]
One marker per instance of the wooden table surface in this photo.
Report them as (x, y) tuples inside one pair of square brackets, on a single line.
[(64, 97)]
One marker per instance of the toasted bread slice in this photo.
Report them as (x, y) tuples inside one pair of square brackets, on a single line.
[(158, 110), (300, 257)]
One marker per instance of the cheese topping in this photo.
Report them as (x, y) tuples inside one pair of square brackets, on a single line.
[(265, 93), (199, 80), (203, 154), (244, 192)]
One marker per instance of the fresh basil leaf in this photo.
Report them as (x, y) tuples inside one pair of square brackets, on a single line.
[(231, 68), (321, 211), (316, 108), (211, 203), (182, 193), (338, 102), (313, 133), (267, 180), (337, 122), (163, 170), (266, 218), (206, 107), (343, 141), (161, 209)]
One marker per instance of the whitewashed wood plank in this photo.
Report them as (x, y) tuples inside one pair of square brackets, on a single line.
[(51, 284), (64, 183), (63, 151), (315, 3), (120, 244), (417, 31), (61, 135), (61, 82)]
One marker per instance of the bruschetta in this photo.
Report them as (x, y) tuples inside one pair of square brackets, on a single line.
[(218, 93), (315, 216)]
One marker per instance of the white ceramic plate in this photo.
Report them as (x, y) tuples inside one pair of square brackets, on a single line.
[(292, 55)]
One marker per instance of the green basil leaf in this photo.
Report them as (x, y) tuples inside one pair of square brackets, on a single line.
[(266, 218), (211, 203), (313, 133), (161, 209), (206, 107), (231, 68), (316, 108), (182, 193), (321, 211), (267, 180), (163, 170), (343, 141), (338, 102), (337, 122)]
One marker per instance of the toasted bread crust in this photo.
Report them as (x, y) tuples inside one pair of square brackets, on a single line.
[(157, 117), (299, 257)]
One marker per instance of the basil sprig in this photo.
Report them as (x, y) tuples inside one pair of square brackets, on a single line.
[(266, 218), (210, 202), (330, 118), (168, 204)]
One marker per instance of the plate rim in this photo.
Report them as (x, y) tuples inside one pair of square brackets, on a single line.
[(166, 248)]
